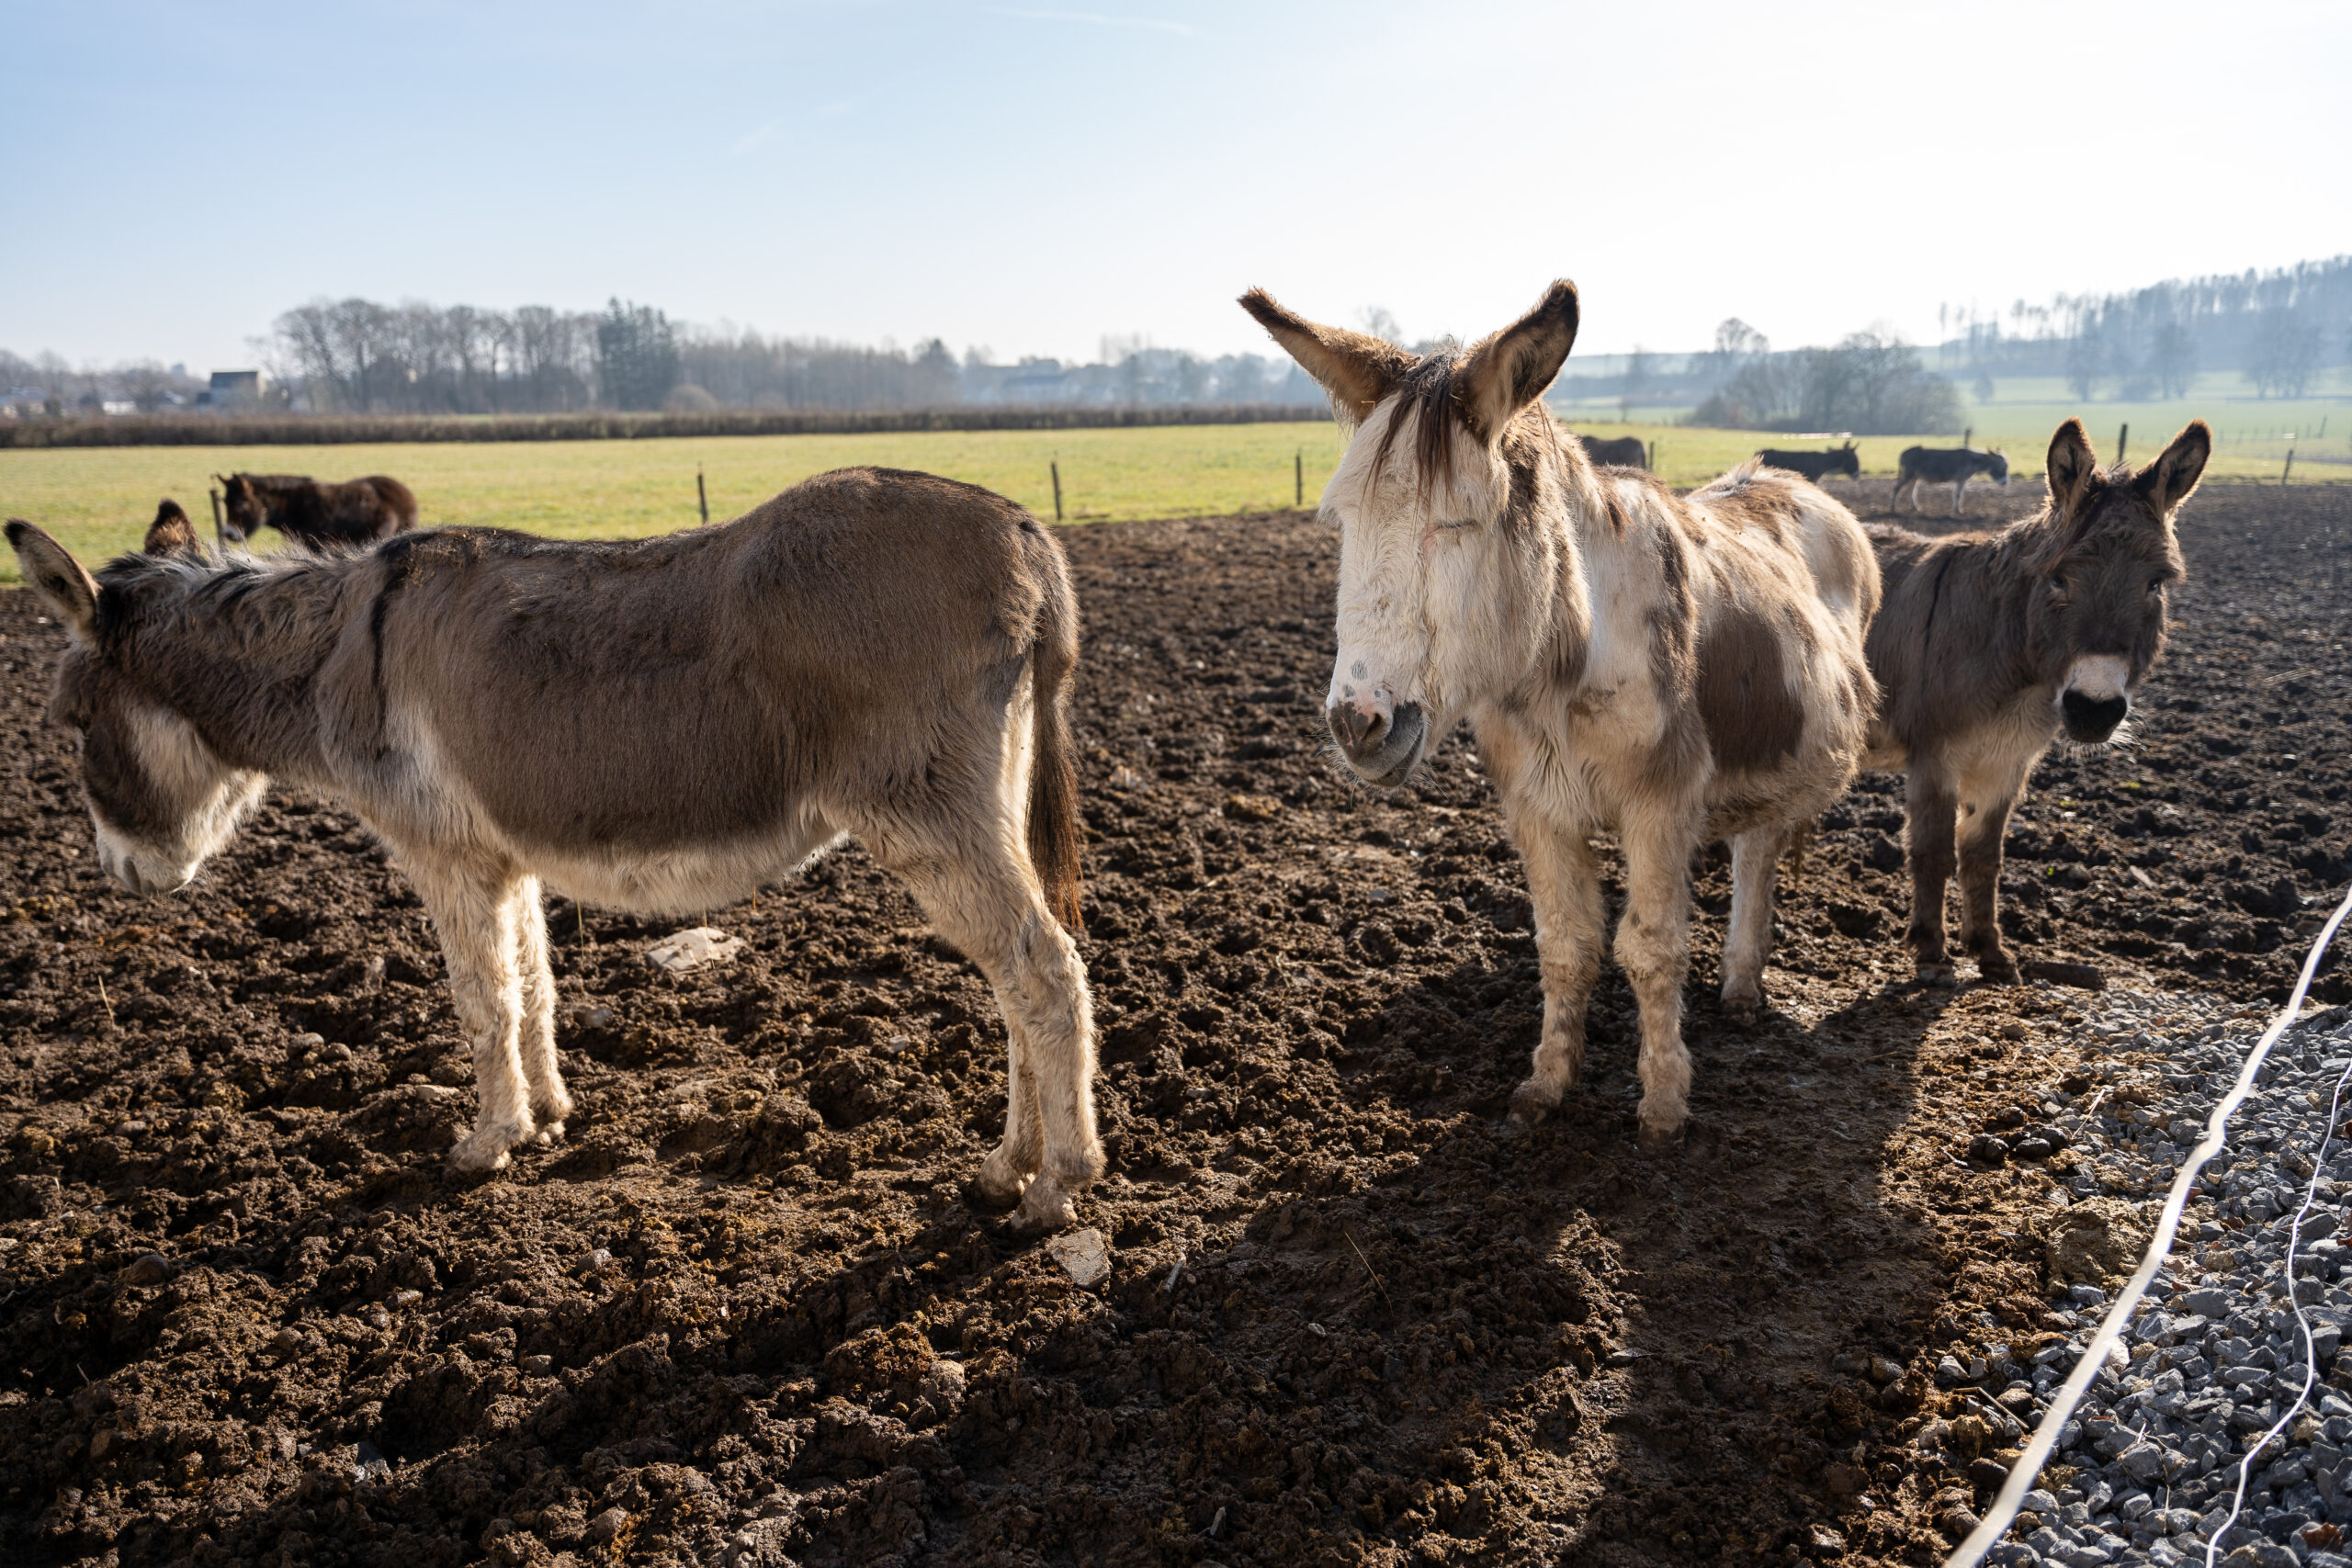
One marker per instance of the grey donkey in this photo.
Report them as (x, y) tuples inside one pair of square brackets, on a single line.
[(662, 725), (1990, 646)]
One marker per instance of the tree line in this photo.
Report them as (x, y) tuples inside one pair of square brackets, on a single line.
[(2278, 329), (357, 357)]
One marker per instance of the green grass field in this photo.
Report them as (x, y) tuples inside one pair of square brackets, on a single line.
[(99, 500)]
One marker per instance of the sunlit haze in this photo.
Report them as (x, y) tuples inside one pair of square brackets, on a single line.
[(1031, 179)]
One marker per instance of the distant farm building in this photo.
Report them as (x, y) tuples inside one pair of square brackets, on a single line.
[(233, 390)]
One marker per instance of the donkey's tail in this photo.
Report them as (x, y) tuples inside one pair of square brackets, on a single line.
[(1053, 771)]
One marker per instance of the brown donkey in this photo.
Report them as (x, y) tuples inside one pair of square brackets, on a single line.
[(313, 513), (1993, 643), (663, 724), (1681, 668)]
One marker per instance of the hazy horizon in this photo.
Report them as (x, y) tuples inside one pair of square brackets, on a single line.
[(1030, 181)]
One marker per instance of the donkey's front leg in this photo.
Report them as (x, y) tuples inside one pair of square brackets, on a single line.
[(550, 1103), (1755, 872), (1564, 885), (474, 909), (1984, 805), (1931, 806), (1654, 949)]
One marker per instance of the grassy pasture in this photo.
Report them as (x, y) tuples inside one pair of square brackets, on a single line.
[(99, 499)]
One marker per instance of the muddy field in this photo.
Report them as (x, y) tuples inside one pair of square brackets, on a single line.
[(744, 1315)]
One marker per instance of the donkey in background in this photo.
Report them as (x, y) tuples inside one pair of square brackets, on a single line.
[(1993, 643), (1621, 452), (312, 514), (1683, 670), (1953, 466), (662, 725), (1814, 465)]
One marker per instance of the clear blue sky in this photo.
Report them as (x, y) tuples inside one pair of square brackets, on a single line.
[(1032, 178)]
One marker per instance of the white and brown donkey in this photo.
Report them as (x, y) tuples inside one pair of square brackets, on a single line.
[(1681, 668), (662, 725)]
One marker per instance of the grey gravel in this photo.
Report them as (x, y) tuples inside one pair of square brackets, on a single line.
[(2216, 1356)]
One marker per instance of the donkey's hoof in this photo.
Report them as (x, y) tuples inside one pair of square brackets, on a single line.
[(982, 1192), (1045, 1208), (1662, 1138), (1743, 1009), (1530, 1104), (484, 1150), (548, 1133), (1942, 975), (1996, 969)]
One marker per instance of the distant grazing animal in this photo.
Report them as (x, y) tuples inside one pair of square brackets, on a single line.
[(1992, 645), (660, 725), (1953, 466), (1683, 668), (312, 514), (1624, 452), (1815, 466)]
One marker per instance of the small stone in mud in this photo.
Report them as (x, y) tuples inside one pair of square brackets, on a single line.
[(692, 948), (1885, 1369), (403, 1300), (539, 1365), (1826, 1542), (147, 1269), (1252, 808), (1085, 1256), (607, 1524), (1987, 1149)]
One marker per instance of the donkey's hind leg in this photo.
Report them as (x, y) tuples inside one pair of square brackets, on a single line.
[(983, 898), (550, 1103), (1754, 875), (474, 909)]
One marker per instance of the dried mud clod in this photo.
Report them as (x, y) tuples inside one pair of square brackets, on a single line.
[(1348, 1314)]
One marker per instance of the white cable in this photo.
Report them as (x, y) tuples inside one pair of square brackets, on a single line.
[(1996, 1521), (2302, 1323)]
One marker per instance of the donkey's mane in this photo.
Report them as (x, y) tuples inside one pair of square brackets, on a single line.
[(1430, 397)]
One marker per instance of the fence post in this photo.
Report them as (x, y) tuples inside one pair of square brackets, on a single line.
[(2290, 461), (1298, 479), (1057, 467), (1966, 437), (2122, 441), (702, 496), (1652, 457), (218, 536)]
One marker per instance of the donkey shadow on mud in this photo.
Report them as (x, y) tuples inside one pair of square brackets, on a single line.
[(1709, 1297)]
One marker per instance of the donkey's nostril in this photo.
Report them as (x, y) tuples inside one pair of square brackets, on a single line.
[(1355, 729), (2093, 718)]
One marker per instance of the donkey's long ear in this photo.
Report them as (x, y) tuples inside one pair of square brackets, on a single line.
[(171, 534), (2167, 481), (57, 577), (2073, 464), (1356, 368), (1511, 369)]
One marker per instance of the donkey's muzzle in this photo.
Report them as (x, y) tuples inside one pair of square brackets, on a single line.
[(1380, 749), (2092, 719)]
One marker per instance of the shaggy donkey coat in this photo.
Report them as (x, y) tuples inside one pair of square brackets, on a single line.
[(1993, 643), (662, 725), (315, 513), (1681, 670)]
